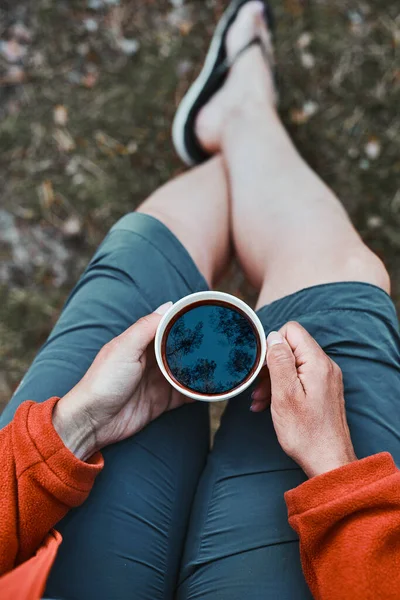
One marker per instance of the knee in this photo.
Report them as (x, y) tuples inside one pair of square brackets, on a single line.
[(367, 267)]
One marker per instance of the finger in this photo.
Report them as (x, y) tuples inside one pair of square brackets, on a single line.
[(261, 396), (282, 367), (305, 348), (259, 404), (258, 407), (136, 339), (262, 391)]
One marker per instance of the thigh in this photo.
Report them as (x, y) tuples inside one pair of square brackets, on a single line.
[(126, 540), (239, 541), (239, 544)]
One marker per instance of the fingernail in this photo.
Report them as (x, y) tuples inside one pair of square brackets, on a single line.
[(161, 310), (274, 338)]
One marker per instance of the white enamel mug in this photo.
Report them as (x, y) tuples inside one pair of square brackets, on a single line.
[(207, 298)]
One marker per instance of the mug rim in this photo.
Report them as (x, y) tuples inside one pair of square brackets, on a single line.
[(219, 297)]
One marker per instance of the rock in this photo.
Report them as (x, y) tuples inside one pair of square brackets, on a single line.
[(373, 148), (128, 46), (14, 75), (132, 147), (74, 77), (21, 33), (95, 4), (364, 164), (78, 179), (310, 108), (374, 222), (90, 25), (72, 227), (307, 60), (304, 114), (12, 51), (353, 152), (304, 40), (184, 67)]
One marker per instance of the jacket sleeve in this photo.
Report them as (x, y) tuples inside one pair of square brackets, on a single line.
[(348, 522), (40, 480)]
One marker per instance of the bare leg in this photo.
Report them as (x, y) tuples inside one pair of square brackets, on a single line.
[(289, 229), (195, 208)]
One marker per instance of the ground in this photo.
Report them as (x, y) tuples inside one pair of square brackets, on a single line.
[(87, 93)]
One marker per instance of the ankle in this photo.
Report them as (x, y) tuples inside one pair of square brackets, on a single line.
[(248, 95), (252, 113)]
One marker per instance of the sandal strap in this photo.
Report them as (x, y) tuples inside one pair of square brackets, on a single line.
[(254, 42), (223, 69)]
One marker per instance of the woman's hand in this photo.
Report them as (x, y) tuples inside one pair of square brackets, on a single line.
[(120, 394), (305, 389)]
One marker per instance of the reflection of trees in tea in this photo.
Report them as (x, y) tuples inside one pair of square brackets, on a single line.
[(239, 363), (200, 377), (239, 333), (183, 340), (234, 326), (236, 361)]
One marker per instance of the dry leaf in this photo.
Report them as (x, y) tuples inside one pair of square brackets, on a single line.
[(13, 76), (64, 140), (185, 27), (90, 79), (111, 146), (294, 7), (60, 115), (46, 194)]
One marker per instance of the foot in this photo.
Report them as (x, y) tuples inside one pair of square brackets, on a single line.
[(250, 81)]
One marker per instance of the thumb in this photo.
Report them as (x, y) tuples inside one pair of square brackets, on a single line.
[(137, 338), (282, 367)]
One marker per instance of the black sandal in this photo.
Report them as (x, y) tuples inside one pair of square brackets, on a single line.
[(210, 80)]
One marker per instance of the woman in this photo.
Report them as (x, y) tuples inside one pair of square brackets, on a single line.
[(162, 517)]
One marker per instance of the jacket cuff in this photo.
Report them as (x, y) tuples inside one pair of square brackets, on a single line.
[(41, 443), (327, 487)]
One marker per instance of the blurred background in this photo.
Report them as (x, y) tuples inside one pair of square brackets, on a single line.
[(88, 89)]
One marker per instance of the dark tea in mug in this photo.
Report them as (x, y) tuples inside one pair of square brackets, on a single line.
[(211, 348)]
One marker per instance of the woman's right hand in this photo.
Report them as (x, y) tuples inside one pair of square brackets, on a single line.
[(305, 389)]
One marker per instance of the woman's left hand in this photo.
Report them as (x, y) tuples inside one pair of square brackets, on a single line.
[(120, 394)]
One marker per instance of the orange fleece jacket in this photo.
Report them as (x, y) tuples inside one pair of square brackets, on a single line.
[(348, 520)]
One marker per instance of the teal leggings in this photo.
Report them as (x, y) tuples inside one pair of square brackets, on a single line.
[(167, 518)]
